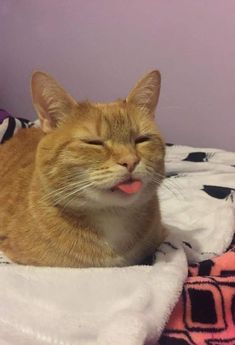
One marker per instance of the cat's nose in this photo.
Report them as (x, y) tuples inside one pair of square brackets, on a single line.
[(129, 162)]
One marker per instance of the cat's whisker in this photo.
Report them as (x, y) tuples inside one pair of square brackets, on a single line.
[(168, 180), (73, 196), (101, 173), (159, 178), (106, 179), (76, 191), (61, 189), (159, 183), (175, 191), (173, 184), (71, 200), (176, 186), (65, 189), (62, 192)]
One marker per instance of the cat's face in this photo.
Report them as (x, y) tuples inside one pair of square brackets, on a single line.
[(101, 155)]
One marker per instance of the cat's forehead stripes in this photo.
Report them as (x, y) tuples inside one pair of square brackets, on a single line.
[(107, 121), (118, 126)]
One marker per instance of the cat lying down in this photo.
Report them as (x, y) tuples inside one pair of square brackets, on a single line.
[(81, 190)]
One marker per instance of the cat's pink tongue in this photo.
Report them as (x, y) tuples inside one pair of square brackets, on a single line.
[(130, 187)]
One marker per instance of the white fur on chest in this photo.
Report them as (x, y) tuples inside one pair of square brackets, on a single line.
[(128, 234), (117, 228)]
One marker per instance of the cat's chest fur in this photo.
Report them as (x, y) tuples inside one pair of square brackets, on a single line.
[(117, 228), (125, 232)]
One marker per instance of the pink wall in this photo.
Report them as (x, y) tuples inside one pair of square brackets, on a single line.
[(98, 49)]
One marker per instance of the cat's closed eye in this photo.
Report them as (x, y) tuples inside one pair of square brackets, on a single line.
[(142, 139), (96, 142)]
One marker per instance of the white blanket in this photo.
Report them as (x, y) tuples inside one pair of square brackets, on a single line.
[(127, 306)]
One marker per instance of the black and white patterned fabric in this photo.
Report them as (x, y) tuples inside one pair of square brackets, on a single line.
[(199, 188), (9, 125)]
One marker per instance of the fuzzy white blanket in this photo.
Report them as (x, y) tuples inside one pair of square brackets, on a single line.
[(127, 306)]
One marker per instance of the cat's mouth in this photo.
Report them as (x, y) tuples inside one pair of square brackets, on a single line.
[(128, 186)]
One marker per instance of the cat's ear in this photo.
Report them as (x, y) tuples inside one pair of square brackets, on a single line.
[(51, 102), (145, 93)]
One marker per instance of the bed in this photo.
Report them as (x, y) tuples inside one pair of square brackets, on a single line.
[(184, 295)]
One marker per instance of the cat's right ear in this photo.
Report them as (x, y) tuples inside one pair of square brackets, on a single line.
[(145, 93), (51, 102)]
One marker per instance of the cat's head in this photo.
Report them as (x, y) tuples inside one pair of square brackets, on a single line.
[(98, 154)]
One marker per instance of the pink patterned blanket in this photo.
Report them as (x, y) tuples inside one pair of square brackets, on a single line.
[(205, 313)]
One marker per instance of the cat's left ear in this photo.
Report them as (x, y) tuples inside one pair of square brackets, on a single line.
[(145, 93), (51, 102)]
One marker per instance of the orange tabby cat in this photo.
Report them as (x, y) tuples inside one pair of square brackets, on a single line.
[(81, 191)]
